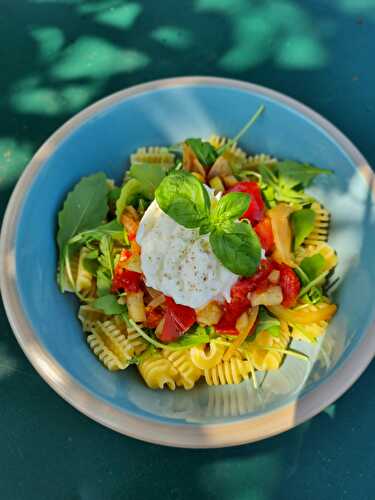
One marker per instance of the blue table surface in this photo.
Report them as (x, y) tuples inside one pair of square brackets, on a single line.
[(56, 57)]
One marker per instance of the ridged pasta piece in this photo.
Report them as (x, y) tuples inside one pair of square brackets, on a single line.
[(138, 343), (324, 249), (107, 357), (89, 317), (156, 155), (217, 141), (107, 338), (321, 225), (233, 371), (84, 278), (207, 357), (188, 373), (255, 160), (158, 372)]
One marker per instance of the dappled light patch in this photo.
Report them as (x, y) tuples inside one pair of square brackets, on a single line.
[(53, 101), (93, 57), (50, 41), (123, 16), (274, 30), (173, 37), (300, 52)]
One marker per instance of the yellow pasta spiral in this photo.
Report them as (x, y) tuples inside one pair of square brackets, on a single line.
[(261, 351), (233, 371), (110, 344), (157, 155), (188, 373), (207, 357), (89, 317), (158, 372), (321, 225)]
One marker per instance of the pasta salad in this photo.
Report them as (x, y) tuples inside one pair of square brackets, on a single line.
[(203, 265)]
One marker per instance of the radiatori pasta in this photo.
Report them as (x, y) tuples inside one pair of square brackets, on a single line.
[(162, 286)]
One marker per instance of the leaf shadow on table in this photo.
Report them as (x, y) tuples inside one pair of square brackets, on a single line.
[(59, 56)]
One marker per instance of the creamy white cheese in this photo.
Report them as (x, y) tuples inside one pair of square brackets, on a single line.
[(180, 263)]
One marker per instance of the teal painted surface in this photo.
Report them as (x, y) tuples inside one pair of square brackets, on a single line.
[(58, 56)]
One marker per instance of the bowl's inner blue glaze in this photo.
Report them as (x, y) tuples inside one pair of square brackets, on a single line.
[(104, 143)]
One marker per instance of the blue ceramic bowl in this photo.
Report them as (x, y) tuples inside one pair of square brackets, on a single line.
[(101, 138)]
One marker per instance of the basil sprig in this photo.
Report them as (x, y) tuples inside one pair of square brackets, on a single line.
[(184, 198)]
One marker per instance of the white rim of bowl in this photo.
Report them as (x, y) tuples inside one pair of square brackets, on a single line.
[(178, 435)]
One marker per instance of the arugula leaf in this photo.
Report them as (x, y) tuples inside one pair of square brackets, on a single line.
[(313, 266), (292, 173), (275, 188), (195, 336), (149, 176), (183, 197), (91, 265), (267, 323), (302, 222), (108, 304), (113, 229), (103, 282), (105, 259), (131, 191), (204, 151), (84, 208), (237, 247), (244, 129), (230, 207)]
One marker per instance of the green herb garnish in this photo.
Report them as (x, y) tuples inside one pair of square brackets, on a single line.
[(302, 222), (183, 198), (203, 150)]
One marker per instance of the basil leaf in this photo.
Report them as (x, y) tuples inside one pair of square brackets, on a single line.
[(149, 176), (84, 208), (114, 194), (183, 197), (293, 174), (267, 323), (131, 191), (230, 207), (302, 222), (204, 151), (108, 304), (237, 247), (313, 266)]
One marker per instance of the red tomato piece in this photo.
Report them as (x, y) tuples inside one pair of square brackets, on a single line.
[(153, 316), (177, 320), (290, 285), (255, 212), (126, 280), (264, 231), (239, 297)]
